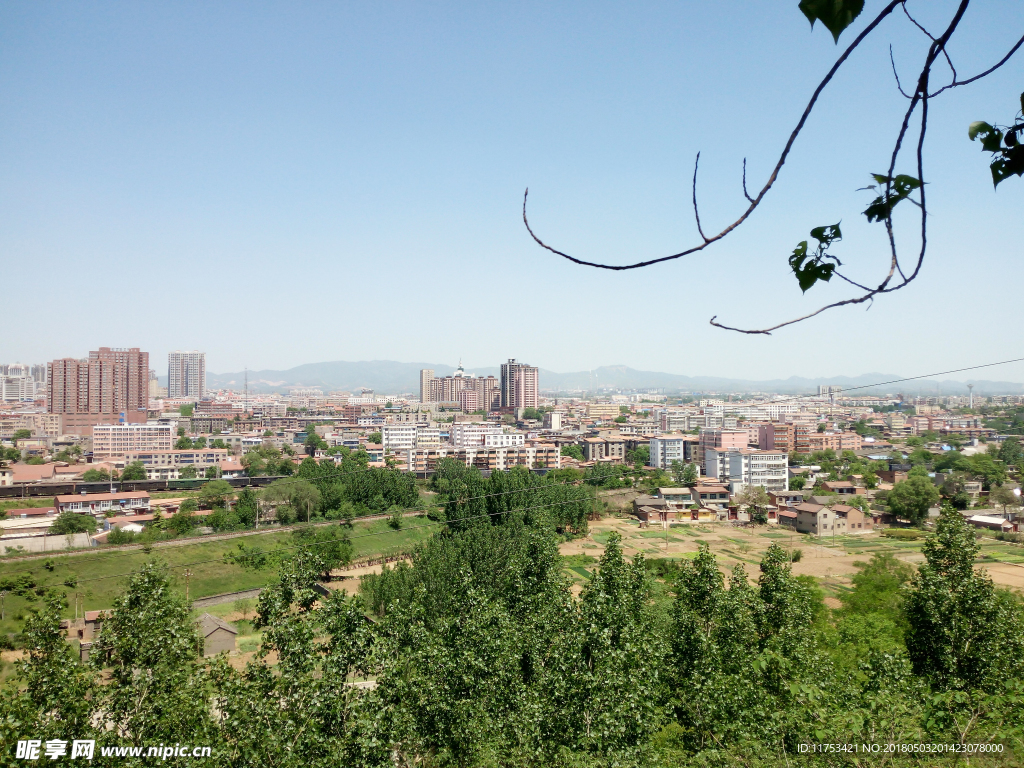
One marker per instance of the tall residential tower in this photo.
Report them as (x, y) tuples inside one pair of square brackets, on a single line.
[(186, 375), (110, 387), (519, 385)]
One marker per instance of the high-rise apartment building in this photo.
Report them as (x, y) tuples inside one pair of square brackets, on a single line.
[(520, 385), (186, 375), (110, 387), (470, 392), (426, 384)]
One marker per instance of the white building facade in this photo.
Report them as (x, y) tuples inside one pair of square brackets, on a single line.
[(119, 439), (742, 467), (186, 375)]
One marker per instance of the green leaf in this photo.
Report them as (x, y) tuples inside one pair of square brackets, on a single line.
[(836, 15), (978, 126), (899, 189), (826, 235), (809, 269)]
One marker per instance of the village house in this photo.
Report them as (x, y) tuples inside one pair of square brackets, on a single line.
[(218, 636)]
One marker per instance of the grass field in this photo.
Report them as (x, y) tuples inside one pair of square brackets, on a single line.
[(101, 575)]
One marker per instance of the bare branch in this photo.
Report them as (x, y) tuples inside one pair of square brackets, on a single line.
[(888, 9), (696, 213), (745, 193), (932, 38), (899, 86), (986, 73)]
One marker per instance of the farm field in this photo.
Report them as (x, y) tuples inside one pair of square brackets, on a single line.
[(832, 562)]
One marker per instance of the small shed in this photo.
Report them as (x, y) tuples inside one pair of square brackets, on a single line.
[(218, 635)]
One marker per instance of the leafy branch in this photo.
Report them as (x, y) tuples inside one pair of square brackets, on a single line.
[(891, 188), (1004, 143)]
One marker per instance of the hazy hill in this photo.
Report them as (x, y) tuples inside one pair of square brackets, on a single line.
[(390, 377)]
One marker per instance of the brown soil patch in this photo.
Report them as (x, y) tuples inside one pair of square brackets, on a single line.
[(1007, 575)]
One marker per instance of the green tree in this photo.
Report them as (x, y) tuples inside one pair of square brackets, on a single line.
[(912, 498), (572, 451), (21, 434), (134, 471), (640, 456), (690, 476), (305, 497), (96, 475), (181, 522), (188, 473), (1003, 497), (212, 473), (184, 443), (755, 498), (797, 483), (247, 507), (55, 700), (68, 523), (1010, 452), (215, 493), (963, 633), (877, 588), (375, 437), (313, 441), (148, 647)]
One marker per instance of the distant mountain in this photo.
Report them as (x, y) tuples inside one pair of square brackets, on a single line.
[(390, 377)]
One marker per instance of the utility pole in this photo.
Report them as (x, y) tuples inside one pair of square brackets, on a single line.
[(3, 597), (188, 576)]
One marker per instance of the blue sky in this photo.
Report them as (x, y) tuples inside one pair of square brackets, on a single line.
[(281, 183)]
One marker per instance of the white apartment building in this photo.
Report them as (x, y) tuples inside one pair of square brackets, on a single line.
[(186, 375), (405, 437), (668, 448), (15, 389), (504, 440), (741, 467), (469, 433), (553, 421), (119, 439)]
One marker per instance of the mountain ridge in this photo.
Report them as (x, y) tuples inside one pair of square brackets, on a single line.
[(392, 377)]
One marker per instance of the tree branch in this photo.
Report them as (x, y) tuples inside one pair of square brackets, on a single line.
[(696, 213), (920, 95), (888, 9), (986, 73), (899, 86)]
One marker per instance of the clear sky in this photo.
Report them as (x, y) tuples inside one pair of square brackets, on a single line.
[(282, 183)]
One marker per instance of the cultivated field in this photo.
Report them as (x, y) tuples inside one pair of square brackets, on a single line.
[(831, 561)]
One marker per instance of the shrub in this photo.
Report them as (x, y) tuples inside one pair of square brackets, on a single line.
[(119, 536), (905, 534), (796, 556)]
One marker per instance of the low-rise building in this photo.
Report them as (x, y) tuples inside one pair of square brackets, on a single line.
[(100, 503), (608, 448), (533, 454), (120, 439), (839, 519), (167, 465), (218, 636), (742, 467)]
